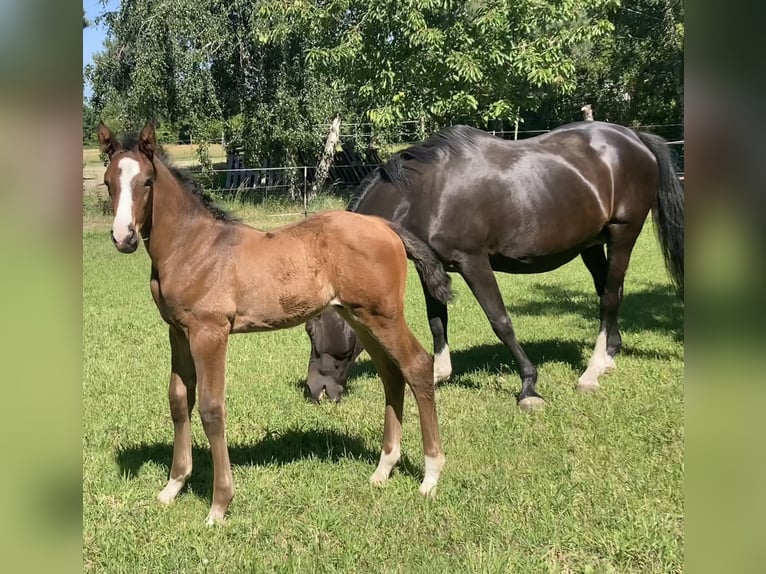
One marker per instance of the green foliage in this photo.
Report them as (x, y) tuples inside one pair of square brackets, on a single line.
[(452, 61), (634, 76), (90, 121), (271, 74)]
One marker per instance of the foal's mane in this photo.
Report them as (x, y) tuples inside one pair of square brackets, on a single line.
[(402, 165), (183, 177)]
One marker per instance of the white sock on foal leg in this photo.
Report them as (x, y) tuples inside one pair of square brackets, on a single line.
[(434, 466), (386, 464), (171, 490)]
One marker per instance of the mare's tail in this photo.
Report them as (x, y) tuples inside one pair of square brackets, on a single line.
[(430, 269), (668, 212)]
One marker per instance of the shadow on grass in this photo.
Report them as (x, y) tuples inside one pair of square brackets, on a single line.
[(655, 309), (276, 449)]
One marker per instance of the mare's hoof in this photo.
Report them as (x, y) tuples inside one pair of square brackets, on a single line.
[(531, 404), (587, 387)]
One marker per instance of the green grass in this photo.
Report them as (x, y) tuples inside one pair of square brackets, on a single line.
[(591, 484)]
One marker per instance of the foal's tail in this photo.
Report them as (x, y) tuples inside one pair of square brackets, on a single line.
[(668, 212), (430, 269)]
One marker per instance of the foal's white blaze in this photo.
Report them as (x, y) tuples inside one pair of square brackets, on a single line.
[(129, 169), (442, 365), (386, 464), (434, 465), (599, 362)]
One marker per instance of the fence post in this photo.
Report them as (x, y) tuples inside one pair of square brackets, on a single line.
[(305, 192), (329, 152), (587, 112)]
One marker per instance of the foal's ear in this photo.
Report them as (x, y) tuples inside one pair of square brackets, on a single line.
[(106, 141), (147, 141)]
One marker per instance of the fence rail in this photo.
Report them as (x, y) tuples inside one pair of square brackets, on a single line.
[(347, 172)]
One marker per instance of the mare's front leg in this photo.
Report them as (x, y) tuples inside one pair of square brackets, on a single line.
[(208, 348), (181, 395), (437, 321), (478, 273)]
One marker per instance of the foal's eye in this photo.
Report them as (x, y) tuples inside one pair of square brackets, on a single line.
[(148, 182)]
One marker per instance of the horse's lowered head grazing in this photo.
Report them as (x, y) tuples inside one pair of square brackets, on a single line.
[(334, 347), (129, 179)]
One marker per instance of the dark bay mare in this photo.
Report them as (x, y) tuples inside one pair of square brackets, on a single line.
[(212, 276), (485, 204)]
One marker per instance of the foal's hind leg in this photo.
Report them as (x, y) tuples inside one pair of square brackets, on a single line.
[(181, 395), (437, 320), (393, 386), (608, 276), (478, 273), (400, 357)]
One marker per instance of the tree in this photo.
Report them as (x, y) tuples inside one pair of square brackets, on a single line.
[(634, 76), (442, 59), (276, 72)]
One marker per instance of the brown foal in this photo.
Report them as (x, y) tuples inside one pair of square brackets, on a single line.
[(212, 276)]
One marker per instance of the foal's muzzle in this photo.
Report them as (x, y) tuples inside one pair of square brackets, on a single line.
[(129, 244)]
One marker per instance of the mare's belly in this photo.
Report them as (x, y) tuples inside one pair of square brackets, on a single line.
[(535, 263), (530, 264)]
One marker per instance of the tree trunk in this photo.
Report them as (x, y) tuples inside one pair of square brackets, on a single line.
[(329, 152)]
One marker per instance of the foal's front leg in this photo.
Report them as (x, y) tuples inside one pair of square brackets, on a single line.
[(181, 395), (208, 347)]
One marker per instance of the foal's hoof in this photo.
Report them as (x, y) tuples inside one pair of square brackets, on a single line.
[(587, 387), (531, 403), (214, 517), (379, 478), (165, 498), (427, 489)]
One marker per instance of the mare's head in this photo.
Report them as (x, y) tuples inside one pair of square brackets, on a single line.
[(129, 178), (334, 347)]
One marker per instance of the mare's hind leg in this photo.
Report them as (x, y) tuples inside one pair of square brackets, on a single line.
[(478, 273), (596, 262), (622, 237), (399, 357), (437, 320), (181, 395)]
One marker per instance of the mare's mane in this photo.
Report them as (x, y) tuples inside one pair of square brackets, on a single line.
[(402, 165), (183, 177)]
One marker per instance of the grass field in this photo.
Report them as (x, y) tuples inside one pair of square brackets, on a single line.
[(178, 153), (594, 483)]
